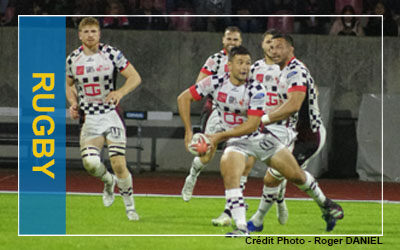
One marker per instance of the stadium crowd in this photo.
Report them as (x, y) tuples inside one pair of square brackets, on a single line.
[(390, 9)]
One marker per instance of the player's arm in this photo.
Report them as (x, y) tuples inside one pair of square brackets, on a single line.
[(201, 76), (292, 105), (72, 98), (185, 100), (132, 81), (248, 127)]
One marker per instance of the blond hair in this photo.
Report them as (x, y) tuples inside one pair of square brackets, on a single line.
[(88, 21)]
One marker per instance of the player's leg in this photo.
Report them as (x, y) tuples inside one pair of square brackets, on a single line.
[(116, 142), (199, 163), (285, 163), (90, 152), (225, 218), (232, 166), (270, 194)]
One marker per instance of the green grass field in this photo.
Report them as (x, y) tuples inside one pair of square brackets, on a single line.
[(170, 215)]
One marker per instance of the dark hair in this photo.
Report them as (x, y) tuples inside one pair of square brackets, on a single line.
[(238, 50), (287, 38), (272, 32), (233, 29), (353, 12)]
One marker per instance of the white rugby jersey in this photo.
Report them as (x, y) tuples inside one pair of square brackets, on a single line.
[(296, 77), (268, 76), (216, 64), (233, 103), (95, 76)]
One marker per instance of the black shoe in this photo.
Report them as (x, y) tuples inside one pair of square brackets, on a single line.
[(332, 213)]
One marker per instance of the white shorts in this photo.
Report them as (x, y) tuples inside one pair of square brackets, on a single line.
[(214, 124), (305, 150), (285, 135), (260, 145), (108, 125)]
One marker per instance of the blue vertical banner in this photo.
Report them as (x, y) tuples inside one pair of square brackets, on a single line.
[(42, 125)]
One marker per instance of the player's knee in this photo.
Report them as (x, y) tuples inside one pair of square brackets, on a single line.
[(271, 181), (91, 159)]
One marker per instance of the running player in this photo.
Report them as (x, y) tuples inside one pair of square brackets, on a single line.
[(300, 112), (91, 68), (215, 65), (236, 100), (265, 72)]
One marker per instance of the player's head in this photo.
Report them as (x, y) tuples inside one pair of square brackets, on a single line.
[(266, 43), (89, 32), (239, 62), (232, 38), (282, 49)]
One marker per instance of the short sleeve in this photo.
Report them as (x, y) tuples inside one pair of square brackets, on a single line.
[(68, 67), (297, 80), (257, 100), (210, 66), (202, 88)]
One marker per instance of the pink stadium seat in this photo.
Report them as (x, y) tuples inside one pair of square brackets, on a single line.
[(357, 5), (181, 23), (284, 24)]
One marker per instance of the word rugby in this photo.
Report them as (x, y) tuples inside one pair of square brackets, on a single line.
[(43, 125)]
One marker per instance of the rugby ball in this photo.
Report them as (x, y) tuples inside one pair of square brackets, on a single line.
[(200, 144)]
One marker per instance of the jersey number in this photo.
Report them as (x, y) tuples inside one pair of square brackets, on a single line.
[(92, 89), (232, 118)]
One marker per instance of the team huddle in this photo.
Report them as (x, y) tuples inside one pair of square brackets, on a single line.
[(277, 92)]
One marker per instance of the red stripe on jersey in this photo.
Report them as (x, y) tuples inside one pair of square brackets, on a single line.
[(126, 66), (225, 52), (297, 88), (194, 93), (255, 112), (205, 71), (291, 59)]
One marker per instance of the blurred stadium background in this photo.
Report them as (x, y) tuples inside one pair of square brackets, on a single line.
[(347, 69)]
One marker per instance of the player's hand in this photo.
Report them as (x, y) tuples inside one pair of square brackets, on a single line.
[(114, 97), (214, 140), (73, 111), (188, 139)]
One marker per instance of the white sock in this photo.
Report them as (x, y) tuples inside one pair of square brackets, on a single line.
[(312, 189), (196, 167), (235, 201), (243, 181), (282, 191), (126, 190), (267, 200)]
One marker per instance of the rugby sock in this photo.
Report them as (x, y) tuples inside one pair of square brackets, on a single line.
[(243, 181), (197, 166), (269, 195), (101, 172), (282, 191), (126, 191), (235, 201), (312, 189)]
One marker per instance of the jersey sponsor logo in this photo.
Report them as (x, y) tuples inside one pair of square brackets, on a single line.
[(260, 77), (90, 60), (232, 100), (80, 70), (226, 69), (291, 74), (102, 68), (259, 96), (210, 63), (90, 69), (222, 97), (119, 56), (272, 99), (233, 119), (92, 89)]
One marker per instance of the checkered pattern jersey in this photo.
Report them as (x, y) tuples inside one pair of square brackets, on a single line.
[(216, 64), (95, 76), (233, 103), (268, 76), (298, 78)]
